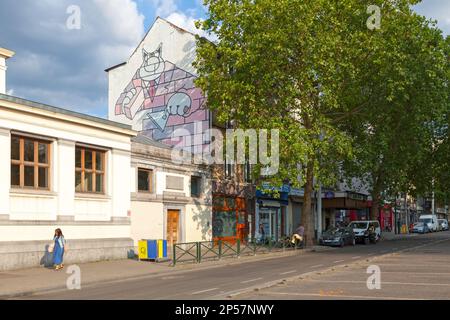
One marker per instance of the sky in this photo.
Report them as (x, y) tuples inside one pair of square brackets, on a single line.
[(64, 66)]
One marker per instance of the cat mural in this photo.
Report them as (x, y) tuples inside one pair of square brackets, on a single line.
[(161, 98)]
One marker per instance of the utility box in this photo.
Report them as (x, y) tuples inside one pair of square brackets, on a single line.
[(152, 250)]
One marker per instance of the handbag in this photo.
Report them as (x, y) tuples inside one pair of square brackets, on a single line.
[(51, 247)]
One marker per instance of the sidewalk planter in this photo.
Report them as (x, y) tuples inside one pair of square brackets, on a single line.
[(152, 249)]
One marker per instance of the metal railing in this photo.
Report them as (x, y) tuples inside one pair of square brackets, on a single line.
[(197, 252)]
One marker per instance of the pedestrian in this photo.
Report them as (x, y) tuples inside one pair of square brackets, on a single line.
[(58, 249), (299, 233), (262, 232)]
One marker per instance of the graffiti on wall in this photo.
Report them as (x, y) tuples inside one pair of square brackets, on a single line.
[(162, 98)]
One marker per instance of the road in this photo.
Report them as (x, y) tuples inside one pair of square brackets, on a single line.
[(422, 271)]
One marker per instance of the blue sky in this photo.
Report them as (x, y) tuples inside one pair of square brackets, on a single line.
[(65, 68)]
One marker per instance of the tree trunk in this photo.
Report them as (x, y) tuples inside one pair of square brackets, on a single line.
[(307, 213), (374, 211), (376, 197)]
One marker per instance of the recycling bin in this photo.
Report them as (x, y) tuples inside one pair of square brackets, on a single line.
[(152, 249)]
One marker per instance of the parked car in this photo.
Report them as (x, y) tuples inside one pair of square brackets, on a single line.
[(420, 227), (444, 224), (431, 221), (338, 237), (366, 231)]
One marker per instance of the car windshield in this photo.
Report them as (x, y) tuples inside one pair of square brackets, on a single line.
[(358, 225), (426, 220), (334, 231), (418, 224)]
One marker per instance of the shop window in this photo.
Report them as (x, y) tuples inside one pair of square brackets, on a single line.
[(224, 224), (90, 168), (196, 186), (145, 178), (30, 163)]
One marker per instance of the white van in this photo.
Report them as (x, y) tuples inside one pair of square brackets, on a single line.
[(431, 220), (361, 230)]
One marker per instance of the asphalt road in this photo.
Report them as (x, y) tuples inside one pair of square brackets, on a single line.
[(423, 272)]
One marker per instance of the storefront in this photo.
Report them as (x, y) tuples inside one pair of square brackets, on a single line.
[(343, 207), (233, 211), (271, 217)]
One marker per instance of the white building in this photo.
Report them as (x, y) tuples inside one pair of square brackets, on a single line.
[(61, 169)]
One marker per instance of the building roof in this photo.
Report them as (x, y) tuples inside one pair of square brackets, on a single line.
[(57, 110), (157, 18), (6, 53), (147, 141)]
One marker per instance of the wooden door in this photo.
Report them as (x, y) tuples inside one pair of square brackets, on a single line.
[(173, 219)]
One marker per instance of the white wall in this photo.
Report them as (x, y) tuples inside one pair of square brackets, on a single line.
[(2, 75), (147, 220), (61, 200)]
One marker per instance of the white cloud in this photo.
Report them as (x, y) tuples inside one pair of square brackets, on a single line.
[(184, 21), (164, 7), (65, 67), (438, 10)]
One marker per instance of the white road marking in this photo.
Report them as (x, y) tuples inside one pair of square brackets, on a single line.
[(356, 257), (247, 281), (287, 272), (385, 282), (316, 266), (203, 291), (337, 261), (335, 295)]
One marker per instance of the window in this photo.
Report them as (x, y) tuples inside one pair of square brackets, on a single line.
[(145, 180), (89, 170), (247, 172), (196, 186), (228, 169), (30, 163)]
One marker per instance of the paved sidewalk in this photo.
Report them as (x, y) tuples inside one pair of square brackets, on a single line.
[(28, 281), (393, 236)]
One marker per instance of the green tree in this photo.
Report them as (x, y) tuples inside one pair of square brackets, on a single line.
[(278, 65), (405, 95)]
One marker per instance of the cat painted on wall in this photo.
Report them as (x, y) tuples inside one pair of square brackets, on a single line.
[(161, 98)]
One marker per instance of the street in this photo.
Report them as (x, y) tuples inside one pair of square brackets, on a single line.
[(413, 267)]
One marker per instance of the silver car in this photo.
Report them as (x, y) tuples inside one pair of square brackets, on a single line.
[(443, 224)]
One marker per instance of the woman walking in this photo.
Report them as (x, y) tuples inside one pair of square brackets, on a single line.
[(58, 251)]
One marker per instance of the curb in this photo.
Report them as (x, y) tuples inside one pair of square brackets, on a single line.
[(301, 276)]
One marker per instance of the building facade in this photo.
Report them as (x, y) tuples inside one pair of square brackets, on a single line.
[(62, 169)]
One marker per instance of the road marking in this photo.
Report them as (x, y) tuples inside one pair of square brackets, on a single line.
[(287, 272), (356, 257), (316, 266), (384, 282), (247, 281), (370, 254), (337, 261), (203, 291), (337, 295)]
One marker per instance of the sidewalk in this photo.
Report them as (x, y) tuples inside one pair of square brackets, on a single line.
[(393, 236), (29, 281)]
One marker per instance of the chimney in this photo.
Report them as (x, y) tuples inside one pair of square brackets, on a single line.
[(5, 54)]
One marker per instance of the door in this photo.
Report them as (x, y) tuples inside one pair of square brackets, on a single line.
[(173, 232)]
